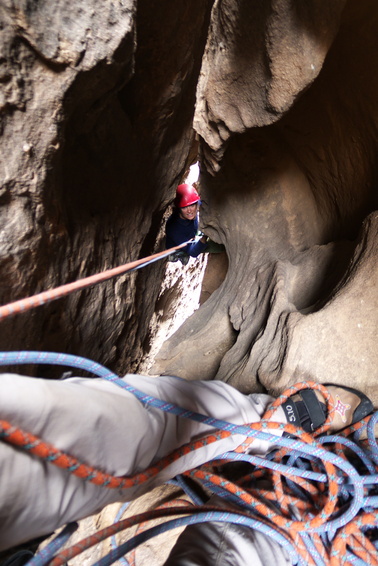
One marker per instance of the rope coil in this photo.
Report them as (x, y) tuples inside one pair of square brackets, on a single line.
[(318, 500)]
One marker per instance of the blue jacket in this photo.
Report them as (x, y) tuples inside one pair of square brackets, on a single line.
[(179, 230)]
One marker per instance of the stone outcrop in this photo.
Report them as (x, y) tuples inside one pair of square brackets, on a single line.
[(98, 102), (97, 109), (289, 175)]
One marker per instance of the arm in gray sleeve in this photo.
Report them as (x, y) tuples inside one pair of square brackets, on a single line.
[(106, 427)]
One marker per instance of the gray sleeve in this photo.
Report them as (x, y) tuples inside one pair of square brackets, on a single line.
[(106, 427), (225, 544)]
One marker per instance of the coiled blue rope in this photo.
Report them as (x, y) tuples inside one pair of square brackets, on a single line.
[(205, 517), (24, 357), (113, 541), (45, 555), (54, 358), (352, 482)]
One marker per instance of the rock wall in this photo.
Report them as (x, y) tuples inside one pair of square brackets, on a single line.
[(96, 132), (289, 174), (98, 102)]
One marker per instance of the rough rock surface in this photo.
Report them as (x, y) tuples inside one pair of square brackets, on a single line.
[(287, 190), (98, 100), (96, 132), (97, 109)]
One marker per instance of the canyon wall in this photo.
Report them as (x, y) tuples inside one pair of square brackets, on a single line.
[(104, 105), (287, 119)]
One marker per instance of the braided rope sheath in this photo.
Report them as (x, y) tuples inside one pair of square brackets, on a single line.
[(48, 452), (143, 526), (112, 530), (313, 491), (45, 297), (204, 513), (113, 542), (47, 554)]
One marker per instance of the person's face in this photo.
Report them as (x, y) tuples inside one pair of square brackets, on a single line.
[(189, 212)]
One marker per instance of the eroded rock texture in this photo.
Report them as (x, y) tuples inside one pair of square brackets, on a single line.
[(98, 100), (288, 122)]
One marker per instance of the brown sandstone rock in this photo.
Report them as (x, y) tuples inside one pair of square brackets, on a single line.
[(97, 101), (97, 106), (288, 191)]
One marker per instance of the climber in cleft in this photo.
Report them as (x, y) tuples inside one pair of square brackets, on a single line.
[(183, 225)]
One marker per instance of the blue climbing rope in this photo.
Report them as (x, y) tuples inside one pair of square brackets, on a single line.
[(24, 357), (354, 486)]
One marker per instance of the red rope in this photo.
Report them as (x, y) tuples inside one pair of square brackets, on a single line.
[(46, 451), (92, 540), (273, 504), (144, 525), (40, 299)]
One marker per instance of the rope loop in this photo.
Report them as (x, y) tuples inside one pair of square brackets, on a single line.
[(314, 494)]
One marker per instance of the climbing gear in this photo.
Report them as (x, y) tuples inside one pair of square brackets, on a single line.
[(186, 195), (179, 256), (40, 299), (318, 500), (308, 409)]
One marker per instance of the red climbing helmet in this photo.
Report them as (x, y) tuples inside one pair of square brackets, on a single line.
[(186, 195)]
